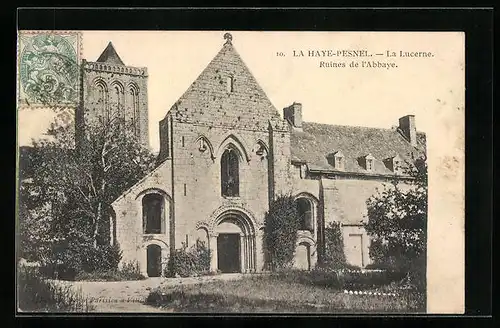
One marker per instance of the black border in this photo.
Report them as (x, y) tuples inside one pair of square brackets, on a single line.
[(478, 25)]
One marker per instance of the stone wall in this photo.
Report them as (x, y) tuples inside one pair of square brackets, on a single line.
[(197, 185), (345, 202), (128, 213)]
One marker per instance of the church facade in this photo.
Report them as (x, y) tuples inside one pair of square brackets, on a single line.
[(226, 153)]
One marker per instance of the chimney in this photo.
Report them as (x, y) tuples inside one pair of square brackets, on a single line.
[(293, 114), (407, 126)]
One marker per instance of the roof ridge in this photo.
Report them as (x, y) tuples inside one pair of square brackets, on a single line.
[(395, 128), (350, 126)]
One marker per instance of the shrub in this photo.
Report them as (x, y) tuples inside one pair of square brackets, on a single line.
[(281, 224), (334, 257), (101, 258), (417, 275), (357, 280), (65, 263), (97, 276), (38, 295), (315, 277), (340, 279), (132, 270), (189, 262), (70, 261), (412, 275), (379, 266), (129, 271)]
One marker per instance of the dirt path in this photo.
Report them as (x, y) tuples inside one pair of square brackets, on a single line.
[(123, 307), (128, 296)]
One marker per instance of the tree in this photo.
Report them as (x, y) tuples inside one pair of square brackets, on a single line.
[(34, 228), (281, 224), (397, 223), (35, 224), (78, 184)]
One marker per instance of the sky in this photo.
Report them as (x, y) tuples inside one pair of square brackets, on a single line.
[(371, 97)]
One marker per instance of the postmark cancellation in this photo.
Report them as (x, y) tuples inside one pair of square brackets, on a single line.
[(48, 68)]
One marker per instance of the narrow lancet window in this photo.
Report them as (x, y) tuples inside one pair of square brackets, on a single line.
[(230, 184), (229, 84)]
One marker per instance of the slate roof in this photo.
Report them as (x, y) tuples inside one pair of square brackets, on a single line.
[(109, 55), (316, 141), (208, 102)]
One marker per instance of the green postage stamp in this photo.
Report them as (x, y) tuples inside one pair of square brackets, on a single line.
[(48, 68)]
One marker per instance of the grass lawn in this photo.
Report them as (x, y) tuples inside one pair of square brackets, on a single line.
[(270, 294)]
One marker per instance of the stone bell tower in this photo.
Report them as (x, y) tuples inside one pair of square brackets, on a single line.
[(113, 90)]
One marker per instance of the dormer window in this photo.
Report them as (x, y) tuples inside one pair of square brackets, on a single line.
[(338, 160), (396, 164), (369, 162), (229, 84)]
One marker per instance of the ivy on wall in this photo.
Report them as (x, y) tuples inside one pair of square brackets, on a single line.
[(334, 257), (281, 224)]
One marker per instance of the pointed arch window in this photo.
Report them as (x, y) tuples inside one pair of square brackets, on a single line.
[(136, 111), (230, 181), (117, 102), (101, 99), (133, 109), (117, 94)]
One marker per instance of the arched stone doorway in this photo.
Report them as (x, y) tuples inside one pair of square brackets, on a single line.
[(305, 257), (302, 259), (153, 260), (233, 243)]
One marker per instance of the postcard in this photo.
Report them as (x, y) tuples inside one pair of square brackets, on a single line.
[(241, 172)]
